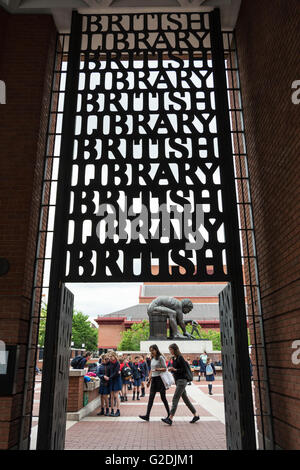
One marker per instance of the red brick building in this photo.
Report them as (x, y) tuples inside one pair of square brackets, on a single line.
[(205, 311)]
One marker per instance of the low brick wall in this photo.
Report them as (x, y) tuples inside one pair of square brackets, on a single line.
[(79, 390), (75, 393), (92, 394), (215, 356)]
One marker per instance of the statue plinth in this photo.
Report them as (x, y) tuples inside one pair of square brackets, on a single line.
[(158, 326)]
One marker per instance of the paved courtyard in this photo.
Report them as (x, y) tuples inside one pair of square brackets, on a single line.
[(129, 432)]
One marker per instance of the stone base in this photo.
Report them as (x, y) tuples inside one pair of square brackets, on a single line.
[(85, 411), (196, 346)]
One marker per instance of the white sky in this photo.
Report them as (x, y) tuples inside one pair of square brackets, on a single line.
[(99, 299)]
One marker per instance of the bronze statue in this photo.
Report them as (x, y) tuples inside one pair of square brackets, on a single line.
[(173, 309)]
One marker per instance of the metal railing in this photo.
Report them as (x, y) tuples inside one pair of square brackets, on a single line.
[(46, 218)]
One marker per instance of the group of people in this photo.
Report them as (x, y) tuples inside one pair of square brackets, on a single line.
[(121, 374)]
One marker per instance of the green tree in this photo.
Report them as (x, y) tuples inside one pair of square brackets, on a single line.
[(82, 330), (138, 332), (42, 326), (132, 337)]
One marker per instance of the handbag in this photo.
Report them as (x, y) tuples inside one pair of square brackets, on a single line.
[(168, 379), (188, 372)]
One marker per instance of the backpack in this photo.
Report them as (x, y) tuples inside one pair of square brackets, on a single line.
[(126, 371), (209, 370), (188, 372), (76, 361), (203, 358)]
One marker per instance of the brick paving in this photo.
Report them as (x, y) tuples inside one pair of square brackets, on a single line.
[(131, 433), (145, 436), (37, 395), (157, 410)]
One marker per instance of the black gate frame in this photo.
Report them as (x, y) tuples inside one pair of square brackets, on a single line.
[(56, 388), (235, 371), (48, 404)]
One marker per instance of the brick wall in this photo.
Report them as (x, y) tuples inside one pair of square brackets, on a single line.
[(26, 57), (75, 393), (214, 356), (268, 38), (110, 335), (93, 394)]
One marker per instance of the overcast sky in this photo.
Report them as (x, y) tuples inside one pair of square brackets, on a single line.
[(99, 299)]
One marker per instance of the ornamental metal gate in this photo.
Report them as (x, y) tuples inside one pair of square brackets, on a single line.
[(57, 390), (146, 175), (235, 372)]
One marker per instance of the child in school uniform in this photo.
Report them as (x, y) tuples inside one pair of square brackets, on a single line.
[(126, 374), (145, 373), (129, 362), (137, 378), (210, 373), (103, 372), (115, 383)]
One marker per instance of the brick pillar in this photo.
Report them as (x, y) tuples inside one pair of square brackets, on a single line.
[(268, 40), (75, 391), (27, 45)]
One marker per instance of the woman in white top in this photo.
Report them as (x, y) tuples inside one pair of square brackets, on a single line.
[(158, 366)]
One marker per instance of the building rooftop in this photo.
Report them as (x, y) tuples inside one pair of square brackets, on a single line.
[(182, 290), (139, 312)]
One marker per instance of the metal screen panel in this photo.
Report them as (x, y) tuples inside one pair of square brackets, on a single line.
[(54, 396), (235, 371), (146, 164)]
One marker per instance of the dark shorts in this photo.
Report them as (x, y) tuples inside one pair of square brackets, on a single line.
[(137, 382)]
